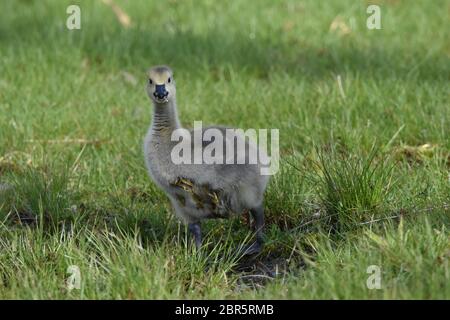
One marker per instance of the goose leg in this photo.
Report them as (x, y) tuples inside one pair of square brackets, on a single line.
[(194, 228), (258, 217)]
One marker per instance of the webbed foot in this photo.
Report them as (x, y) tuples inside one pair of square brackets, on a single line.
[(254, 248)]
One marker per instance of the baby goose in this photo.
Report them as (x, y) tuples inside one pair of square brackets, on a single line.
[(199, 191)]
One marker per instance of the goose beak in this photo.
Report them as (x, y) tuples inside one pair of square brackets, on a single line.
[(160, 92)]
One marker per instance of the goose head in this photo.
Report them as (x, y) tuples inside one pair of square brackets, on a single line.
[(160, 84)]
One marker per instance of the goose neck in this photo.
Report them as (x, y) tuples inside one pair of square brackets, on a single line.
[(165, 118)]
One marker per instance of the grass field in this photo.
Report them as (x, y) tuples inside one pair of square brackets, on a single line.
[(364, 143)]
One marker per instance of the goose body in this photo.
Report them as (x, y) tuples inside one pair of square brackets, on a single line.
[(200, 191)]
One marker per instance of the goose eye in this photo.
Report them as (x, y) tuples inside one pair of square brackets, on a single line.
[(169, 80), (150, 81)]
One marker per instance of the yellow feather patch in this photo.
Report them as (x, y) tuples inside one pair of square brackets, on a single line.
[(159, 77)]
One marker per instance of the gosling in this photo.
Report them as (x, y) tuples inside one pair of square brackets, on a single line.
[(200, 191)]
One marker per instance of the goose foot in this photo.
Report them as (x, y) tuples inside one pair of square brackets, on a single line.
[(258, 216), (196, 231), (254, 248)]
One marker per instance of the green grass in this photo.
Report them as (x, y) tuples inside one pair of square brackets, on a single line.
[(364, 176), (351, 188)]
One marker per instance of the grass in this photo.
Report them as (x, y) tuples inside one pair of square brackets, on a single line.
[(351, 188), (364, 125)]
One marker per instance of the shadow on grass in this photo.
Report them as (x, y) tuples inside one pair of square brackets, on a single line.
[(260, 57), (140, 47)]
